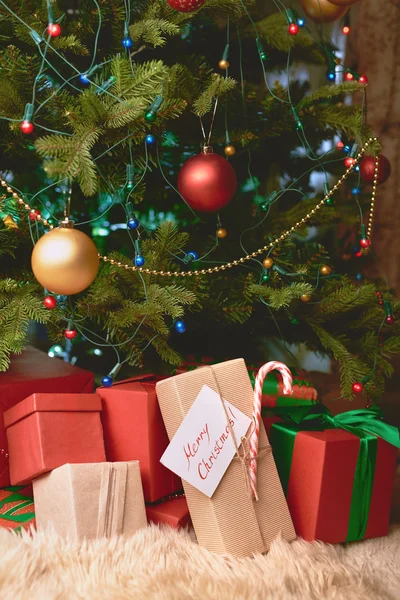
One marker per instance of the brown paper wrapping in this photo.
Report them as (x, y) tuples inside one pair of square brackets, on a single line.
[(90, 500), (231, 521)]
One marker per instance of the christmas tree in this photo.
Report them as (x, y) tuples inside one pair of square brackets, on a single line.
[(102, 102)]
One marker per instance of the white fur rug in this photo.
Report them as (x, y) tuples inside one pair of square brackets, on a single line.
[(166, 565)]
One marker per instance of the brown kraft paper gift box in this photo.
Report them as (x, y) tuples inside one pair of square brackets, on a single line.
[(231, 521), (92, 500)]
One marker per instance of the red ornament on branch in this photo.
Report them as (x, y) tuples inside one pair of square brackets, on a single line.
[(207, 181), (348, 162), (53, 29), (186, 6), (26, 127), (293, 29), (70, 334), (50, 302), (34, 214), (367, 169), (357, 387)]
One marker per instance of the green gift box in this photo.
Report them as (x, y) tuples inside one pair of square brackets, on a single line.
[(337, 472)]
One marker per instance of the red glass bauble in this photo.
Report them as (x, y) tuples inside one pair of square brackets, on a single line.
[(26, 127), (365, 243), (53, 29), (367, 169), (207, 182), (186, 6), (50, 302), (293, 29), (357, 387), (349, 161), (70, 334)]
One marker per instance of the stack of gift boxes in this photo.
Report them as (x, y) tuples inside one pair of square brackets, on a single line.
[(94, 460)]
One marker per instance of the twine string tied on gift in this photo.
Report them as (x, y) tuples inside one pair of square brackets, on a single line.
[(243, 451)]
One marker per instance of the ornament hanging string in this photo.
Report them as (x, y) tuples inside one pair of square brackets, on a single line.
[(207, 140), (248, 257)]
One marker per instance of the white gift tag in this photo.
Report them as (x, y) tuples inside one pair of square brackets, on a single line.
[(202, 449)]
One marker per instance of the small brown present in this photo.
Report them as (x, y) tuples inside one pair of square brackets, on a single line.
[(91, 500)]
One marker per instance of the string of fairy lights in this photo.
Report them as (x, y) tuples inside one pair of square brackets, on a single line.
[(133, 225)]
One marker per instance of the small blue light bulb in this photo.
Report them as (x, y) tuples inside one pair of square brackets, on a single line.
[(180, 326), (150, 139), (127, 42), (139, 260), (331, 75), (359, 277), (193, 254), (355, 191), (133, 223), (301, 22), (346, 149), (356, 168), (107, 381), (83, 78)]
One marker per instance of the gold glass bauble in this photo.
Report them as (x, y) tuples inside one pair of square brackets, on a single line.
[(305, 297), (323, 11), (229, 150), (221, 233), (343, 2), (325, 270), (268, 262), (223, 64), (65, 261)]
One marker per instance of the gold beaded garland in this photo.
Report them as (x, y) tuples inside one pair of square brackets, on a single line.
[(229, 150), (256, 253), (268, 262)]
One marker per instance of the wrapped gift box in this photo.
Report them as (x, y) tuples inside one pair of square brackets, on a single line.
[(174, 513), (304, 393), (45, 431), (87, 501), (338, 483), (231, 521), (134, 430), (33, 371), (16, 508)]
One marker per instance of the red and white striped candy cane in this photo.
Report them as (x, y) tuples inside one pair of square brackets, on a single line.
[(287, 390)]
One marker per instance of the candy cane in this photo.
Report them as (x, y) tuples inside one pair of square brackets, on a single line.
[(287, 389)]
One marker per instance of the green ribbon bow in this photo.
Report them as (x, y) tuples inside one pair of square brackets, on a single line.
[(367, 424)]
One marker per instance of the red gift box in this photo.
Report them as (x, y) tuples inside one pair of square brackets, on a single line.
[(33, 371), (319, 482), (134, 430), (174, 513), (45, 431)]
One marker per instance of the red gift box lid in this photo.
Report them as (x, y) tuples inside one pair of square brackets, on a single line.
[(134, 383), (52, 403)]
